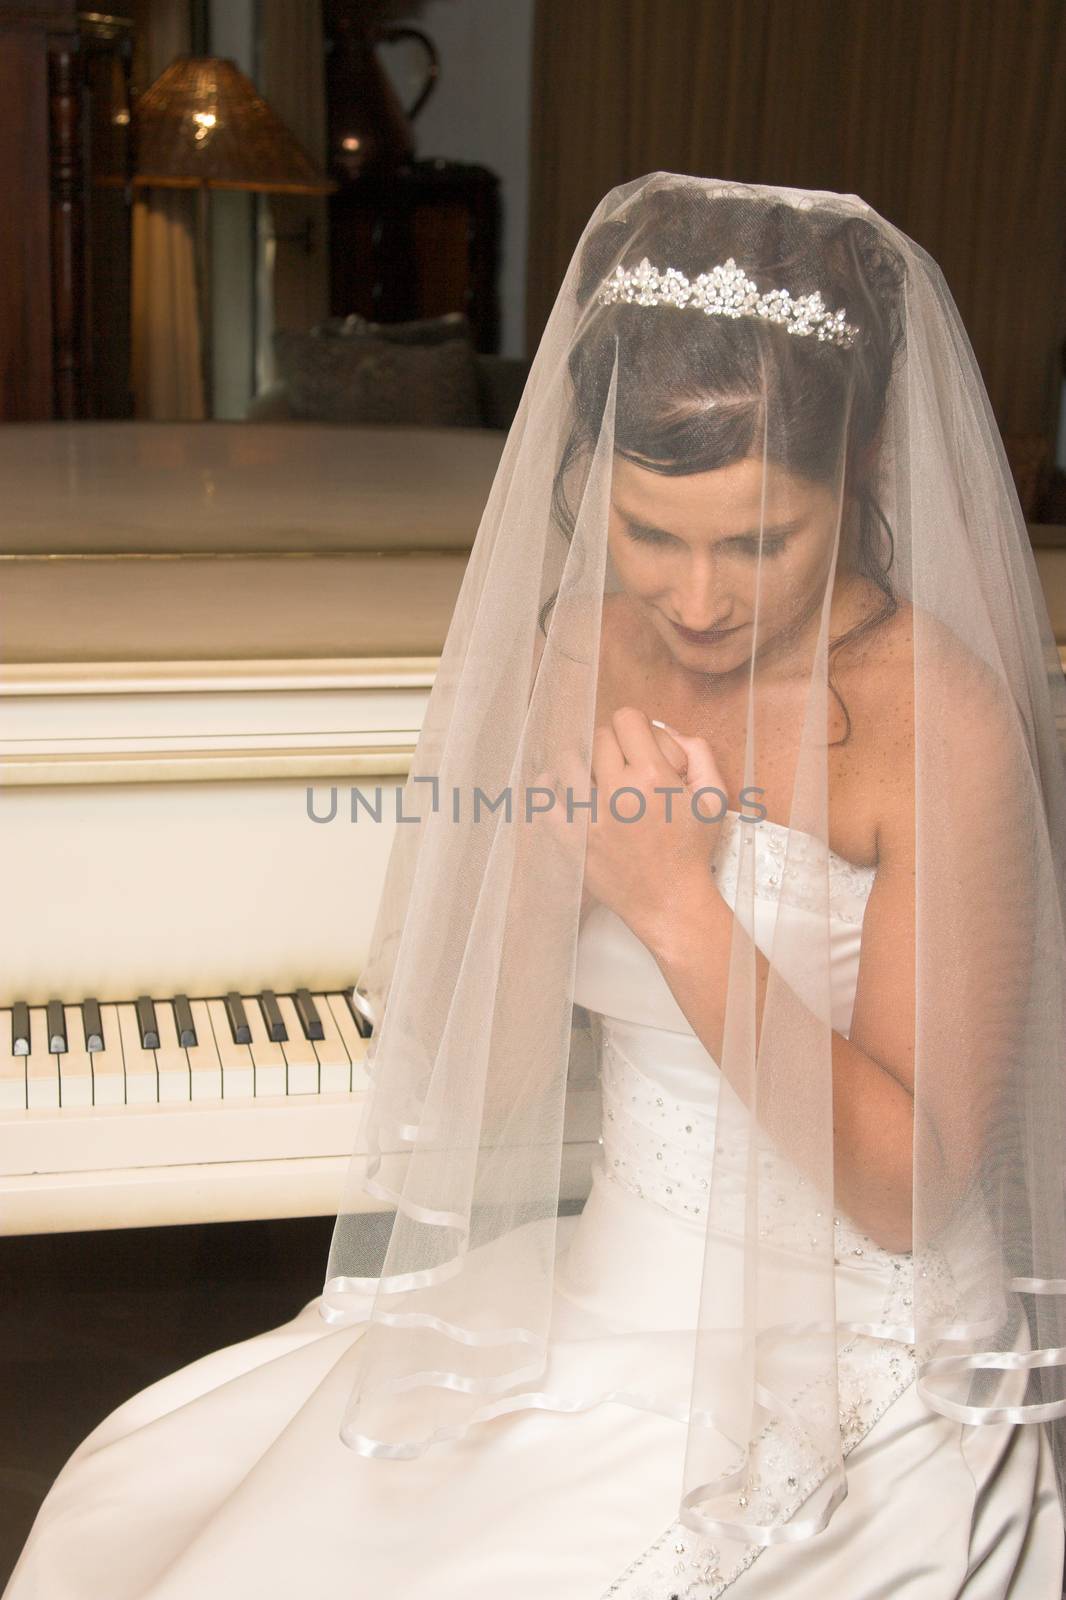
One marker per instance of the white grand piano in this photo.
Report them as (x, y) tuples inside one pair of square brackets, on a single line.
[(206, 631), (201, 624)]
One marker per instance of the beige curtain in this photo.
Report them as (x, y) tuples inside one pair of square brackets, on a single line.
[(947, 116), (165, 364), (293, 80)]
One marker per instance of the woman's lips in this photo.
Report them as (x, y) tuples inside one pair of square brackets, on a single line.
[(711, 637)]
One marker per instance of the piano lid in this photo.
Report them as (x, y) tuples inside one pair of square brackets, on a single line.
[(174, 544), (121, 488)]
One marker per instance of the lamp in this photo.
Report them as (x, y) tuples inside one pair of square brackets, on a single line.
[(202, 125)]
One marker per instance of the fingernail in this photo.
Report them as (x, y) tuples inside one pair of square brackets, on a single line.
[(657, 724)]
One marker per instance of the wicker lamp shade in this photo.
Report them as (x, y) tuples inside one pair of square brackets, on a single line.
[(202, 123)]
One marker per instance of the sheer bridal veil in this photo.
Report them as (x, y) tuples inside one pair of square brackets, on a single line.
[(788, 375)]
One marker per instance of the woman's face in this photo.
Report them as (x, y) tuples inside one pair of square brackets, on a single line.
[(686, 549)]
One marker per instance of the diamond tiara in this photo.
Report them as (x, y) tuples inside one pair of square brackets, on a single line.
[(726, 291)]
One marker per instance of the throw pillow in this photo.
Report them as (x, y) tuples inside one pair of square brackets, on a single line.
[(376, 380)]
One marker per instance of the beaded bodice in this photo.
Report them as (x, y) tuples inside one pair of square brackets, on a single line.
[(659, 1084)]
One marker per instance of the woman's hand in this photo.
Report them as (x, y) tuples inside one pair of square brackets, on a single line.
[(650, 851)]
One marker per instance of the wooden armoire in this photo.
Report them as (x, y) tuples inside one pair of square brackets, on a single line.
[(64, 130)]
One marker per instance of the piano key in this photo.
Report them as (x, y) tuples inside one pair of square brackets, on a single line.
[(205, 1065), (75, 1064), (93, 1025), (12, 1069), (57, 1027), (268, 1002), (142, 1077), (301, 1062), (183, 1021), (359, 1009), (171, 1058), (238, 1072), (237, 1017), (146, 1021), (108, 1063), (20, 1028), (268, 1058), (310, 1021), (354, 1041), (334, 1062), (42, 1067)]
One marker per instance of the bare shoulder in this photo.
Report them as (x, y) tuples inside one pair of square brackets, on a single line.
[(915, 678), (915, 666), (873, 674), (910, 648)]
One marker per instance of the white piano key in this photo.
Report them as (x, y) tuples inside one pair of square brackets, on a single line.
[(238, 1073), (353, 1039), (142, 1076), (108, 1064), (334, 1062), (12, 1069), (42, 1067), (75, 1068), (205, 1065), (300, 1058), (267, 1056), (171, 1059)]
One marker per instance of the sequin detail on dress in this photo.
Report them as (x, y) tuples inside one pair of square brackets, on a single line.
[(788, 864), (662, 1149)]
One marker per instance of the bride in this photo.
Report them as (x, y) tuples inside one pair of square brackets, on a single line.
[(740, 862)]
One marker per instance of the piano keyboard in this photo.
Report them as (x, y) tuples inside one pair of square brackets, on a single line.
[(181, 1051), (140, 1112)]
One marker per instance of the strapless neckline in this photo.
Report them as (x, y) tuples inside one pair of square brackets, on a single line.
[(777, 847), (799, 833)]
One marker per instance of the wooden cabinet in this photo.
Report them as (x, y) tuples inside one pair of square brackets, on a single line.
[(418, 242), (64, 289)]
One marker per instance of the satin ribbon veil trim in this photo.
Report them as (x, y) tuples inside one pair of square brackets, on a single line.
[(367, 1289), (904, 1333)]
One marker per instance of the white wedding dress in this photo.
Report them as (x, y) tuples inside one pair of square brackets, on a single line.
[(228, 1478)]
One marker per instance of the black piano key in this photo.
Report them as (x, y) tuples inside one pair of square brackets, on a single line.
[(275, 1022), (93, 1025), (147, 1023), (20, 1029), (183, 1021), (238, 1018), (57, 1028), (362, 1015), (310, 1021)]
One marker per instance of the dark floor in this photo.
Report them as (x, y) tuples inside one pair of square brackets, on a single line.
[(88, 1319)]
